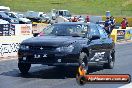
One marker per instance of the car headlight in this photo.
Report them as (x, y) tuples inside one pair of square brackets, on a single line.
[(65, 49), (24, 47)]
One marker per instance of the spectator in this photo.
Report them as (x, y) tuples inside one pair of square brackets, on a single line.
[(87, 19), (107, 25), (124, 23), (112, 23), (75, 19)]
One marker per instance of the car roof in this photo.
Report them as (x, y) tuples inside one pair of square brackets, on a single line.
[(70, 23), (74, 23)]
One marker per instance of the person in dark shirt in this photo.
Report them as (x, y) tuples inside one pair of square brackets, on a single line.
[(107, 25), (112, 23), (87, 19)]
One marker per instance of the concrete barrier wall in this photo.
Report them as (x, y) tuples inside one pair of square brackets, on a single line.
[(122, 34), (9, 44)]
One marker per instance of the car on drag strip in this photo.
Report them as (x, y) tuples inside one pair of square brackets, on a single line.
[(4, 16), (68, 43), (19, 17)]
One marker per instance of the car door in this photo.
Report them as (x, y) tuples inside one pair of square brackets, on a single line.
[(107, 42), (95, 48)]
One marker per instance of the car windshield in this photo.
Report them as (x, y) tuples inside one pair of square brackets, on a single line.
[(76, 30)]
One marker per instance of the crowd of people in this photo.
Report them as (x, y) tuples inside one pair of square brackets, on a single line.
[(110, 22), (79, 18)]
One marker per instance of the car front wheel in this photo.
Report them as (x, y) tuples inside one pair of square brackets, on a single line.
[(24, 67), (111, 61)]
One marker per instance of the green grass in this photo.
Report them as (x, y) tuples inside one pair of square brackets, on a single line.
[(92, 7)]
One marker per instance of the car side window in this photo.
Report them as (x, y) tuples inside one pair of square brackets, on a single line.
[(103, 34), (94, 30)]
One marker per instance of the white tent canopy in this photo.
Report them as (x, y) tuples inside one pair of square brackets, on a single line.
[(4, 8)]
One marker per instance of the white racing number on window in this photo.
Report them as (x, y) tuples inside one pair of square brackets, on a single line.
[(98, 56)]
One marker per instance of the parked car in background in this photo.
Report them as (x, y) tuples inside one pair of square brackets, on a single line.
[(3, 21), (4, 8), (4, 16), (37, 16), (22, 20), (54, 14)]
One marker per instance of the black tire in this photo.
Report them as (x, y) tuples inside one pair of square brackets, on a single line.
[(83, 60), (111, 61), (24, 68)]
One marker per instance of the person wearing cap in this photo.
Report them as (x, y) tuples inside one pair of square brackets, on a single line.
[(107, 25), (112, 23)]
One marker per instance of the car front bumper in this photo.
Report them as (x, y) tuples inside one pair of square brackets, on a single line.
[(53, 59), (47, 58)]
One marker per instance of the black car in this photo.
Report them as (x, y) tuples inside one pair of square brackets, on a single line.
[(4, 16), (69, 43)]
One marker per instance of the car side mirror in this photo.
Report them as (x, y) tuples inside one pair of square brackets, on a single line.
[(94, 37)]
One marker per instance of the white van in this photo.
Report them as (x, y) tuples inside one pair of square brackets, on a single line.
[(4, 8)]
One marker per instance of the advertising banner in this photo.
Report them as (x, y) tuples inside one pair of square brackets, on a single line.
[(120, 34), (4, 29), (12, 29), (26, 29), (15, 29)]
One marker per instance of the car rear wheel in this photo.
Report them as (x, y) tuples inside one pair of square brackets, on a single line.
[(24, 67), (111, 61), (83, 60)]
